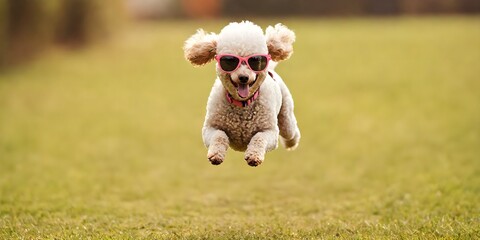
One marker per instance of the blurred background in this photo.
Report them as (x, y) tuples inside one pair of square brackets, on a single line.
[(101, 117), (28, 27)]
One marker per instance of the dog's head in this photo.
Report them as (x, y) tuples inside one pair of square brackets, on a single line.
[(241, 50)]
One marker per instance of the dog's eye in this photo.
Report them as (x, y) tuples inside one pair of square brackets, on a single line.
[(257, 63), (228, 63)]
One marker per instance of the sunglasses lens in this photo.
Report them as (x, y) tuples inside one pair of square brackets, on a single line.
[(228, 63), (258, 63)]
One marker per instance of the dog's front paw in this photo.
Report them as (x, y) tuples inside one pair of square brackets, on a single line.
[(254, 158), (216, 158)]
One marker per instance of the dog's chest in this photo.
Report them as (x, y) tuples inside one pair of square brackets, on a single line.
[(242, 123)]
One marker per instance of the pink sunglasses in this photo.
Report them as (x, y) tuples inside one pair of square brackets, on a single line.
[(229, 63)]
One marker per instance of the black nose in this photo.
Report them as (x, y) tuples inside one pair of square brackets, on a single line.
[(243, 78)]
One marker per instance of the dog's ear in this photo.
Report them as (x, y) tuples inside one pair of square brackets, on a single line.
[(200, 48), (279, 42)]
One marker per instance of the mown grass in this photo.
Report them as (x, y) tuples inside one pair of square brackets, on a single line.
[(105, 143)]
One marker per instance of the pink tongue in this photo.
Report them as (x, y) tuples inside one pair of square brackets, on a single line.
[(243, 90)]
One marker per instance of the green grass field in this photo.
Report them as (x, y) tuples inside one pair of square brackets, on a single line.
[(106, 142)]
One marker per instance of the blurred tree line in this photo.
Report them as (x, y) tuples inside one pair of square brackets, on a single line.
[(346, 7), (29, 26), (154, 9)]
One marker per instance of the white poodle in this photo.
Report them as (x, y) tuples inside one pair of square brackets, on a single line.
[(249, 104)]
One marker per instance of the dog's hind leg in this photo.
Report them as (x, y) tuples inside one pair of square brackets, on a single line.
[(287, 123), (261, 143), (217, 143)]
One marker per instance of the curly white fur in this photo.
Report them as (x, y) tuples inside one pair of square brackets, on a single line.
[(256, 127)]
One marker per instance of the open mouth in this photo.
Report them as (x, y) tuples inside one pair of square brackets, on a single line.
[(243, 89)]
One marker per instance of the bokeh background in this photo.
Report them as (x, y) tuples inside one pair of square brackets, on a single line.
[(101, 117), (28, 27)]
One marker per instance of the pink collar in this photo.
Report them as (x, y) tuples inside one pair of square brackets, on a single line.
[(242, 103)]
